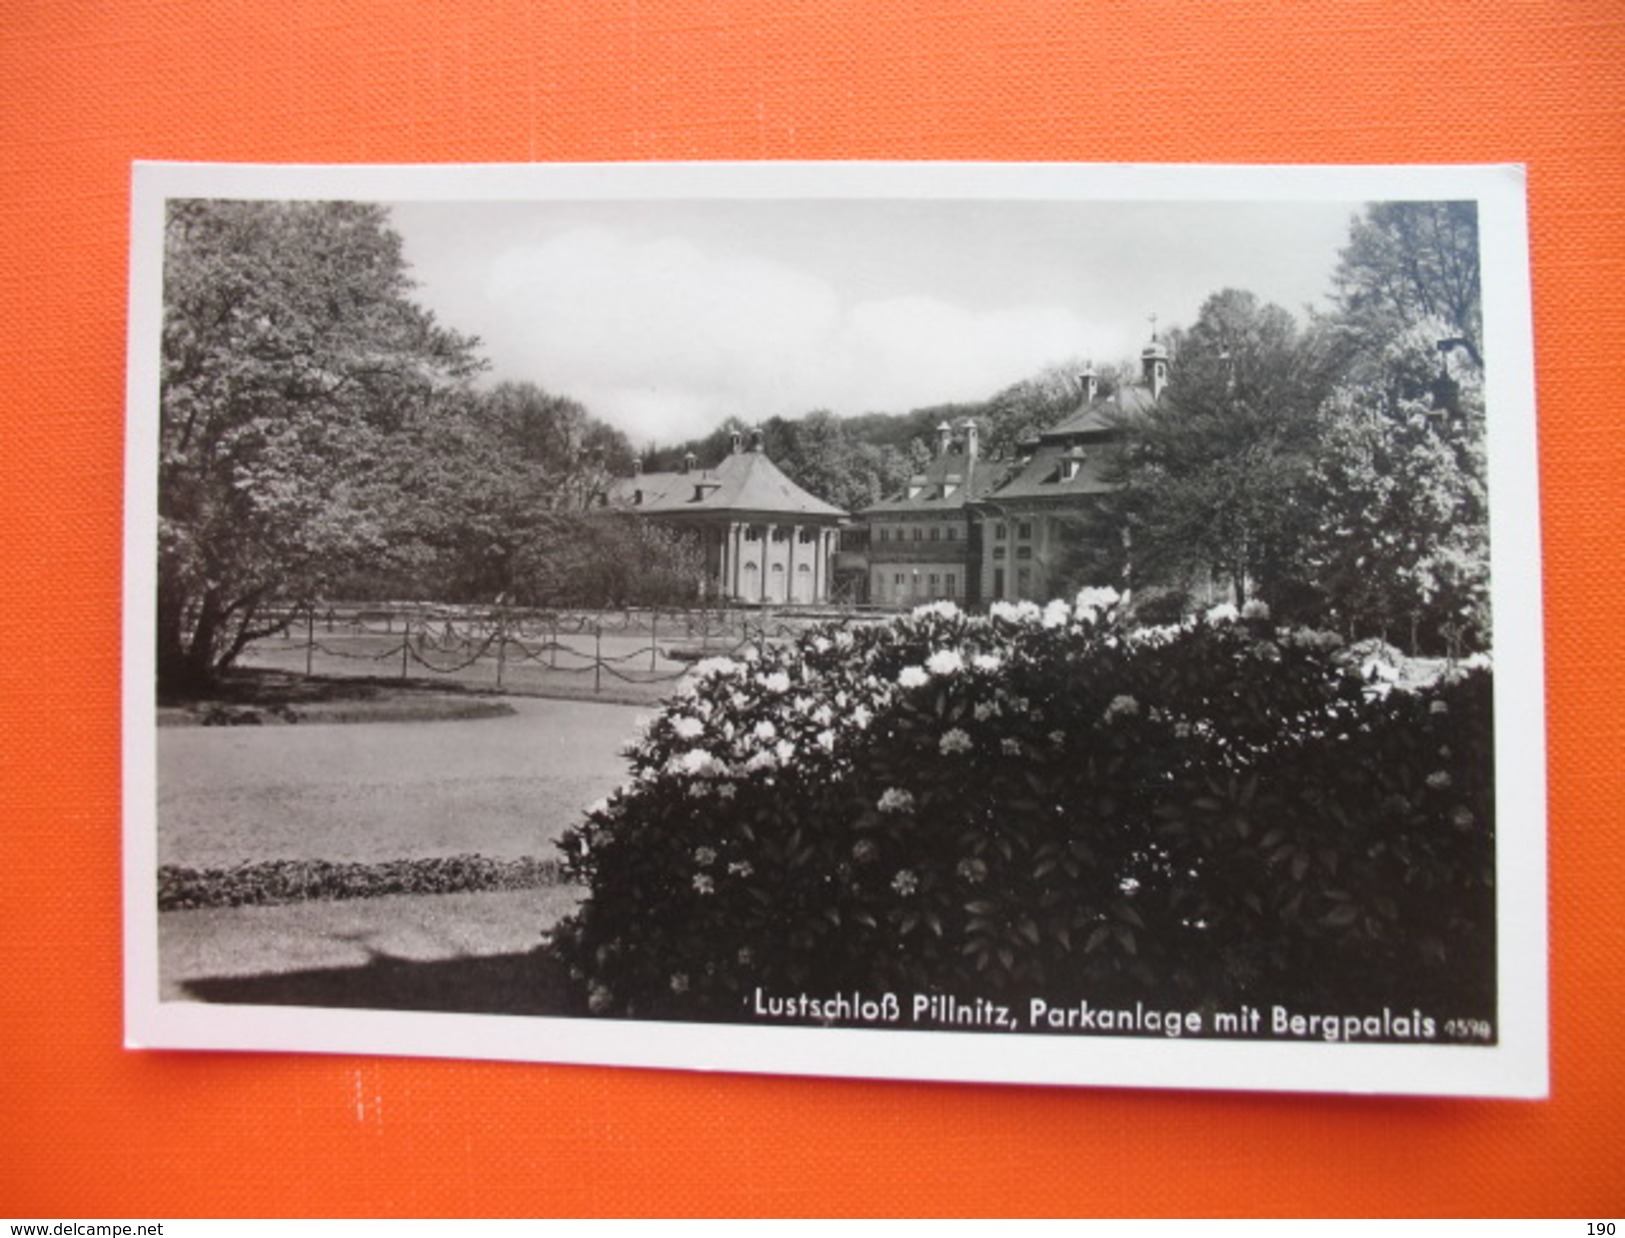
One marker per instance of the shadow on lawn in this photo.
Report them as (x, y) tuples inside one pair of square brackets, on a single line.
[(533, 983)]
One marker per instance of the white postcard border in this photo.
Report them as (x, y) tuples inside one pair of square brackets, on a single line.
[(1516, 1066)]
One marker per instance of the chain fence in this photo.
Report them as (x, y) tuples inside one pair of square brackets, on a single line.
[(635, 650)]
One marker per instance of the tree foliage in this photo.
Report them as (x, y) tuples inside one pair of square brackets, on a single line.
[(1213, 476), (292, 358), (1407, 262)]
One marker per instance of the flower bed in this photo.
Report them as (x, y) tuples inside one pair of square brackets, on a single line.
[(1046, 801)]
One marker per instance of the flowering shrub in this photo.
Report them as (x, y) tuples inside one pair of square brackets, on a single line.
[(1044, 801)]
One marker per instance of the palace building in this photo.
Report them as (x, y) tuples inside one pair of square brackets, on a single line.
[(766, 541), (1058, 476), (925, 544), (974, 530)]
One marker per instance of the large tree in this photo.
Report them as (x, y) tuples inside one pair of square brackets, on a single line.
[(293, 357), (1410, 262), (498, 494), (1402, 546), (1213, 476)]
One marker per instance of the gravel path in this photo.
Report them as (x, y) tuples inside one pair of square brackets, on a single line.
[(502, 787)]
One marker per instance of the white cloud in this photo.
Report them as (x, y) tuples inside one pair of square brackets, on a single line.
[(663, 338)]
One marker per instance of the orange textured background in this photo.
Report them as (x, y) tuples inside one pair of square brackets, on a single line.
[(89, 1129)]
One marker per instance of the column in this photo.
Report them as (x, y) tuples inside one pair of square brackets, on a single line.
[(736, 540), (790, 566), (724, 549)]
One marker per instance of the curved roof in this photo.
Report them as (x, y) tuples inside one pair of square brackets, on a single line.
[(744, 482)]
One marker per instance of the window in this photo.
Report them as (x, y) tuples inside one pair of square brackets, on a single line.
[(885, 534), (780, 533), (1024, 552), (953, 533), (1024, 530), (752, 533), (807, 536), (952, 584), (1024, 579), (998, 552), (936, 534), (917, 533), (898, 580), (998, 531), (933, 582)]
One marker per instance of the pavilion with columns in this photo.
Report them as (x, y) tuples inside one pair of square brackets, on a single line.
[(766, 541)]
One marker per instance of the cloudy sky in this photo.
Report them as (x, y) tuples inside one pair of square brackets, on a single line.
[(665, 317)]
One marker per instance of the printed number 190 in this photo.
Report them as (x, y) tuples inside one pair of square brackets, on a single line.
[(1599, 1229)]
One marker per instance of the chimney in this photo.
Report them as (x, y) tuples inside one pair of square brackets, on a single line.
[(734, 442), (1090, 382), (637, 466), (756, 440), (945, 436), (689, 461)]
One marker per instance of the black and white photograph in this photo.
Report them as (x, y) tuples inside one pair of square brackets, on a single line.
[(1027, 623)]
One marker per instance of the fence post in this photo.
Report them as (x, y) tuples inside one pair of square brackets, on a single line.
[(502, 644), (553, 644), (654, 629), (406, 643), (310, 638), (597, 656)]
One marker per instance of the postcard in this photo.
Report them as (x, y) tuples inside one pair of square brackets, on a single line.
[(1043, 624)]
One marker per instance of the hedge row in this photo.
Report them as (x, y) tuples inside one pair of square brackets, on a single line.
[(295, 881), (1047, 802)]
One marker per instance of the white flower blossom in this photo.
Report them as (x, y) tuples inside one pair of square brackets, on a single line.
[(1122, 706), (826, 740), (761, 760), (1224, 612), (1015, 612), (686, 727), (987, 662), (765, 731), (679, 983), (775, 682), (896, 799), (1094, 599), (784, 750), (704, 856), (707, 668), (740, 868), (703, 884), (913, 677), (954, 741), (1056, 614), (1010, 747), (905, 883), (944, 608), (1256, 609), (983, 710), (1439, 780), (945, 662), (696, 762), (861, 717)]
